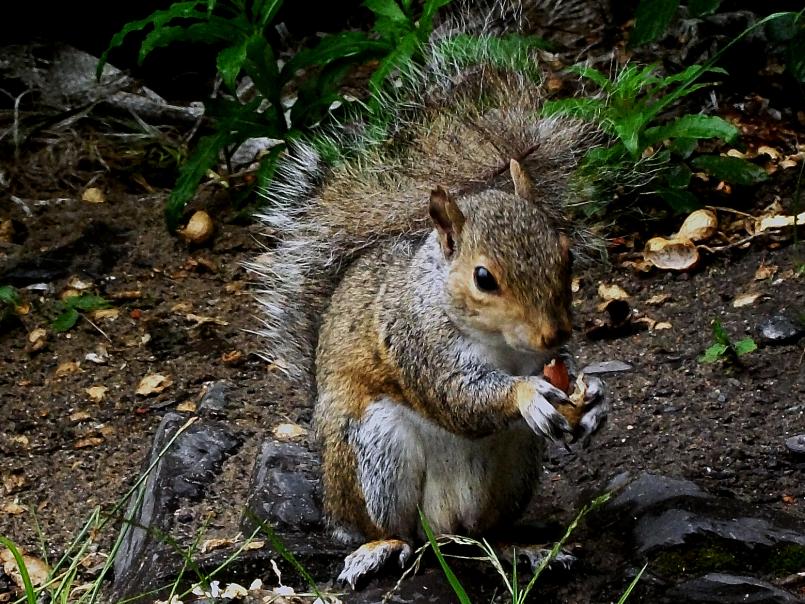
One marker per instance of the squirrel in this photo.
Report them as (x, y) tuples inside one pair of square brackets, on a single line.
[(416, 290)]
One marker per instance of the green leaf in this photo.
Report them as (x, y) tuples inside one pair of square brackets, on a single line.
[(720, 334), (66, 320), (9, 295), (702, 8), (388, 9), (261, 66), (784, 28), (396, 58), (632, 585), (266, 10), (652, 20), (582, 108), (204, 33), (713, 354), (86, 302), (745, 346), (795, 61), (678, 176), (680, 200), (30, 595), (692, 127), (732, 169), (461, 594), (593, 74), (230, 62), (331, 48), (426, 18), (683, 147)]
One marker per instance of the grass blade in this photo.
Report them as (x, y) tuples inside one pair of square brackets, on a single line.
[(448, 572), (30, 595)]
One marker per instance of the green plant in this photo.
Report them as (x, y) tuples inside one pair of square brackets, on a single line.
[(653, 17), (10, 302), (69, 310), (518, 593), (724, 348), (240, 28)]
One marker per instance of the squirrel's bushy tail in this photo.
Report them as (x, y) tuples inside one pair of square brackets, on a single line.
[(457, 121)]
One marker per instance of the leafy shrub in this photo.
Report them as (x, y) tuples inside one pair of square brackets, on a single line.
[(240, 28)]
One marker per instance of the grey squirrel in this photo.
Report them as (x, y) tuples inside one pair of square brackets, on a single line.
[(416, 291)]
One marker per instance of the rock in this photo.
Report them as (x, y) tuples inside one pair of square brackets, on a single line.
[(181, 473), (779, 329), (796, 444), (214, 398), (718, 588), (606, 367), (677, 526), (649, 490), (284, 489)]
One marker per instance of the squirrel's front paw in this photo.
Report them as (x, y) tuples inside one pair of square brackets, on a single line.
[(536, 399), (596, 406), (371, 557)]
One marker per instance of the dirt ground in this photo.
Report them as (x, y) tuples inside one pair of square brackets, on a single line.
[(62, 453)]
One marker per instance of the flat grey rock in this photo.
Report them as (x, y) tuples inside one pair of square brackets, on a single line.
[(719, 588), (649, 490), (796, 444), (779, 329), (607, 367)]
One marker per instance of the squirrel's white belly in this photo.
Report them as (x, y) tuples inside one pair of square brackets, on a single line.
[(462, 485)]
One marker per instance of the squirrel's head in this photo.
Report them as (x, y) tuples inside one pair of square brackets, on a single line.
[(509, 265)]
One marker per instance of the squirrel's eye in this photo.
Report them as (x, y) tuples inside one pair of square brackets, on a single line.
[(484, 280)]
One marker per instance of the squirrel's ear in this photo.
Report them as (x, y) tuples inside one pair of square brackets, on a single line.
[(523, 187), (447, 218)]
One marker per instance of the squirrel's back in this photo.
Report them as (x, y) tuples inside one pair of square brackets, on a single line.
[(455, 123)]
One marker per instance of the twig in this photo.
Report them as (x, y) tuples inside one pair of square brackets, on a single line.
[(96, 327)]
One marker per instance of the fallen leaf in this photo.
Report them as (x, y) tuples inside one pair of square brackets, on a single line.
[(96, 393), (107, 314), (107, 431), (769, 151), (182, 307), (87, 442), (199, 228), (662, 325), (21, 440), (187, 407), (698, 226), (232, 358), (37, 339), (126, 294), (79, 284), (202, 320), (575, 285), (254, 545), (213, 544), (671, 254), (289, 431), (153, 384), (745, 299), (79, 416), (13, 481), (765, 271), (13, 508), (67, 368), (780, 221), (609, 292), (93, 195), (38, 571), (659, 299), (234, 591)]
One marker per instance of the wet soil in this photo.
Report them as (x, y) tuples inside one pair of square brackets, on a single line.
[(62, 454)]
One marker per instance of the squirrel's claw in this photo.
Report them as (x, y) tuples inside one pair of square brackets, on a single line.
[(371, 557), (541, 415), (596, 405)]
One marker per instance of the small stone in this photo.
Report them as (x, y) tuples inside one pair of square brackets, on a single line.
[(796, 444), (606, 367), (731, 589), (779, 329)]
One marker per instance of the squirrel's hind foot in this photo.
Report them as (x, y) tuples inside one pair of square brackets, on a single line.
[(534, 555), (370, 557)]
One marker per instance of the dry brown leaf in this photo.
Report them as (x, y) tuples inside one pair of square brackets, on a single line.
[(765, 271), (106, 314), (254, 545), (96, 393), (37, 339), (79, 284), (213, 544), (87, 442), (698, 226), (21, 440), (187, 407), (199, 228), (13, 482), (107, 431), (659, 299), (67, 368), (771, 152), (745, 299), (289, 431), (662, 325), (612, 291), (79, 416), (7, 231), (38, 570), (93, 195), (780, 221), (671, 254), (126, 294), (232, 358), (153, 384), (182, 307), (202, 320), (575, 285), (13, 508)]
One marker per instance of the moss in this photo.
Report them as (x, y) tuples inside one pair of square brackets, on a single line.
[(787, 559), (705, 557)]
